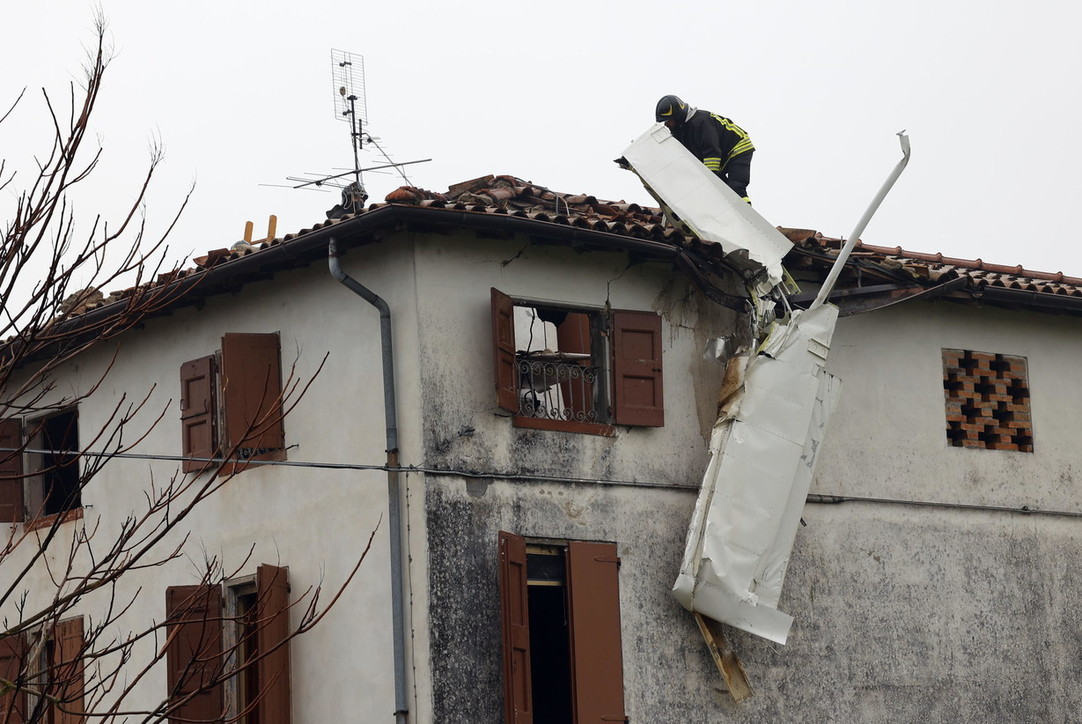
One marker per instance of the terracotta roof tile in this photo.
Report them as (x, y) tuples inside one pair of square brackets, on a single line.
[(935, 266)]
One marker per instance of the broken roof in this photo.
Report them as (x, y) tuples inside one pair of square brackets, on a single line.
[(507, 204)]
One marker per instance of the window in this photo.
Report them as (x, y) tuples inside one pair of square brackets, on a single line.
[(51, 686), (560, 367), (41, 480), (231, 403), (987, 399), (233, 666), (560, 608)]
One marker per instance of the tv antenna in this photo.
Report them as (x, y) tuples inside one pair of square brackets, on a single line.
[(344, 67), (351, 106)]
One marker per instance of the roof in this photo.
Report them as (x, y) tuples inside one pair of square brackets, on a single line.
[(507, 205), (973, 280)]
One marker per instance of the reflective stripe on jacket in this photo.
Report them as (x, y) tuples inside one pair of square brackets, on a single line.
[(713, 139)]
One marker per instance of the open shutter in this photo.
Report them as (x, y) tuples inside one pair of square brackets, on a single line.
[(503, 346), (13, 651), (272, 593), (11, 472), (194, 651), (597, 670), (515, 617), (68, 671), (198, 413), (636, 364), (252, 396)]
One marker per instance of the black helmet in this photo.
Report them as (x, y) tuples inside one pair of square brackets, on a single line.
[(671, 108)]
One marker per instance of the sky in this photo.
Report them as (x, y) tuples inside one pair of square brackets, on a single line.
[(241, 96)]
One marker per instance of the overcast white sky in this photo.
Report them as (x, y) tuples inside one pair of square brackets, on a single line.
[(240, 93)]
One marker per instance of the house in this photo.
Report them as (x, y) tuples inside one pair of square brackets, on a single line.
[(508, 394), (581, 430)]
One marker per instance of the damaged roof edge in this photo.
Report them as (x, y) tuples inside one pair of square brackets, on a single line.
[(310, 245)]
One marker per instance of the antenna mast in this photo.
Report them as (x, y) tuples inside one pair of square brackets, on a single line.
[(344, 67)]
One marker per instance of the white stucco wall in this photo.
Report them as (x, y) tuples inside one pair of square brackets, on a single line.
[(315, 521), (888, 436)]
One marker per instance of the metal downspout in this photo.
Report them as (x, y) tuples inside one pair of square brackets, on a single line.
[(394, 506)]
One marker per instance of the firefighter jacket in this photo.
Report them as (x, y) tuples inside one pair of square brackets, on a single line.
[(713, 139)]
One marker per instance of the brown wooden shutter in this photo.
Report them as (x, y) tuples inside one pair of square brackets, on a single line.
[(272, 594), (597, 670), (194, 651), (636, 365), (515, 616), (13, 651), (503, 347), (198, 411), (67, 666), (11, 472), (252, 396)]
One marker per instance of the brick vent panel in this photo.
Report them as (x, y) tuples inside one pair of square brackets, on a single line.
[(987, 400)]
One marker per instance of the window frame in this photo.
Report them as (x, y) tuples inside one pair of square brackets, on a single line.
[(232, 397), (592, 599), (217, 609), (24, 474), (632, 384)]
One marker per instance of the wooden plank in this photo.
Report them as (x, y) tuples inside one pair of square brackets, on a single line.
[(727, 662)]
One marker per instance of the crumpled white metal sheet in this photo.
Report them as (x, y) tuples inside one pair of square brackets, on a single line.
[(763, 453), (692, 195)]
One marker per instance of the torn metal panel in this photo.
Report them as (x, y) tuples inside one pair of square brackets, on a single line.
[(696, 198), (763, 453)]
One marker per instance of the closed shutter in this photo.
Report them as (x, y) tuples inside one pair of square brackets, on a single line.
[(68, 671), (13, 651), (252, 397), (11, 472), (272, 593), (503, 347), (198, 413), (194, 651), (515, 617), (636, 351), (597, 670)]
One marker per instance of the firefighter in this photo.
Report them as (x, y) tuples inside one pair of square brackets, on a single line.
[(724, 147)]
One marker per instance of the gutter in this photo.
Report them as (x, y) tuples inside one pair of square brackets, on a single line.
[(310, 245), (394, 488)]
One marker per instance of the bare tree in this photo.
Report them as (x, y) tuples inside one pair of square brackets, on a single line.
[(52, 268)]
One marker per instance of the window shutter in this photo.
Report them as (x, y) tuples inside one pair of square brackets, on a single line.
[(636, 364), (11, 472), (13, 652), (272, 594), (198, 413), (593, 592), (515, 617), (503, 346), (67, 666), (252, 397), (194, 651)]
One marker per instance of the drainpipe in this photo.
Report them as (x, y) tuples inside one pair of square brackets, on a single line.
[(394, 506)]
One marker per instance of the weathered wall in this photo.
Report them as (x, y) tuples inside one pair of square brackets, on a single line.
[(907, 613), (663, 657), (903, 613)]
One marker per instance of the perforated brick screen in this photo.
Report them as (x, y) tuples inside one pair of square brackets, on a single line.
[(987, 400)]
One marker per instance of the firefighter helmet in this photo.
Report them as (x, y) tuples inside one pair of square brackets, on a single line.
[(671, 108)]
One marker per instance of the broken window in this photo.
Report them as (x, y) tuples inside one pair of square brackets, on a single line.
[(39, 471), (560, 607), (568, 368), (231, 403), (987, 400)]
